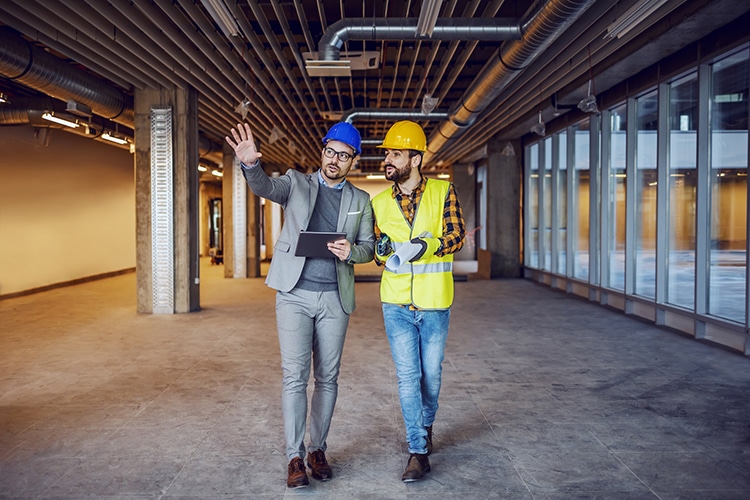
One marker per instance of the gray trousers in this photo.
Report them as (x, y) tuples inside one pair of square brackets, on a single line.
[(311, 327)]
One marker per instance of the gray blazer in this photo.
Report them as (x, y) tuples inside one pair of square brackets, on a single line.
[(296, 193)]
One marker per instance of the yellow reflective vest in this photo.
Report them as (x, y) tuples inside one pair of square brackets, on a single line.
[(428, 282)]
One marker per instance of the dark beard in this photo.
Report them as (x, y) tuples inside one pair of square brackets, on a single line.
[(398, 175)]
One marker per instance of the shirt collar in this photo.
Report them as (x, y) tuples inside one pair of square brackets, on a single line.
[(322, 181), (396, 190)]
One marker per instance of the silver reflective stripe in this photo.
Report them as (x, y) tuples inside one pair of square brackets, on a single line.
[(239, 219), (162, 211), (435, 267)]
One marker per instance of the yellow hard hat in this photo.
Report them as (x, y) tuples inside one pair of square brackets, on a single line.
[(405, 135)]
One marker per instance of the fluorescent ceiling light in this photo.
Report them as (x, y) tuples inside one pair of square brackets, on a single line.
[(202, 168), (428, 17), (51, 117), (3, 97), (111, 138), (219, 12), (376, 177), (633, 17), (217, 173), (444, 176)]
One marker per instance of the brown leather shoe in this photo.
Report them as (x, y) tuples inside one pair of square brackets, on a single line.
[(320, 470), (429, 439), (297, 477), (418, 466)]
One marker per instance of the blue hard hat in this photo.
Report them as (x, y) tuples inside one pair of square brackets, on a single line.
[(346, 133)]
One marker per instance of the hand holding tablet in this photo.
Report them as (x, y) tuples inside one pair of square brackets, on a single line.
[(315, 244)]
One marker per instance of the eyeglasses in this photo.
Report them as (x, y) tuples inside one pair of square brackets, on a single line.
[(343, 156)]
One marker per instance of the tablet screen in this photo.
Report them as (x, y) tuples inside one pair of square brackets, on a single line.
[(315, 244)]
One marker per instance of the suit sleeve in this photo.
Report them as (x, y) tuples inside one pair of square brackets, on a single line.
[(275, 189)]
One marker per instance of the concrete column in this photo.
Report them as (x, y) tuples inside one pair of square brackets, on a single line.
[(251, 238), (504, 169), (184, 105), (465, 182)]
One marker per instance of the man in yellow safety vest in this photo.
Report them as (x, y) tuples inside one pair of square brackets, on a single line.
[(419, 225)]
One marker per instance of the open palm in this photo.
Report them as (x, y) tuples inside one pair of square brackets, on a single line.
[(243, 144)]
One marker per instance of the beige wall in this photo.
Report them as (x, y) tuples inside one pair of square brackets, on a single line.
[(67, 209)]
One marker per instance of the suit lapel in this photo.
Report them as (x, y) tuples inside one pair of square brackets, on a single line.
[(314, 186), (346, 201)]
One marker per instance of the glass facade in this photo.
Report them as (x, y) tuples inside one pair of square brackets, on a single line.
[(547, 197), (662, 213), (682, 190), (728, 187), (560, 228), (580, 196), (614, 276), (531, 251), (647, 121)]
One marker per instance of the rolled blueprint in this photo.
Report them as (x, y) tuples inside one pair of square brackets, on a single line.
[(406, 251)]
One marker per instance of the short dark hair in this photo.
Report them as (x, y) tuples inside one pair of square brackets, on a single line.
[(413, 153)]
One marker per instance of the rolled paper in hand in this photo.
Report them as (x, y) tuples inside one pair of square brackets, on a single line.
[(405, 253)]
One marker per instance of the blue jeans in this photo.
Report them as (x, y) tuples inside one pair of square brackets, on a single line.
[(417, 340)]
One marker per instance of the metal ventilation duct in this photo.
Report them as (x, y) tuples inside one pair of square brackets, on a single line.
[(383, 28), (21, 116), (392, 114), (544, 22), (33, 67)]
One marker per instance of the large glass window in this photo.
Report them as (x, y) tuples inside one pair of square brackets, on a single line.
[(547, 190), (616, 198), (682, 190), (561, 210), (677, 157), (728, 186), (647, 121), (580, 196), (532, 245)]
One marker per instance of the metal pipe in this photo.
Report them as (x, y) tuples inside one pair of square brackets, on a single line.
[(542, 25), (33, 67), (383, 28), (392, 114)]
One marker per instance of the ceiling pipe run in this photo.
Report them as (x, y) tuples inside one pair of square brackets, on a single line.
[(544, 22), (391, 114), (31, 66), (383, 28)]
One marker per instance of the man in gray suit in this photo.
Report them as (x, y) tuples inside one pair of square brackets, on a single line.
[(315, 296)]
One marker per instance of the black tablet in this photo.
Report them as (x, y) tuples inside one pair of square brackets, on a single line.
[(315, 244)]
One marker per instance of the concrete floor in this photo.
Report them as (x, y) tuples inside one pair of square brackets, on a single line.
[(545, 396)]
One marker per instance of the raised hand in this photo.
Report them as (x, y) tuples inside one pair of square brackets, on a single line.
[(243, 144)]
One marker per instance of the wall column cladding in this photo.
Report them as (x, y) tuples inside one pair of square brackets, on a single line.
[(504, 207), (179, 108), (240, 213)]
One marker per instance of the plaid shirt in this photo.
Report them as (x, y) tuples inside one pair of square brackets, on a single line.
[(453, 220)]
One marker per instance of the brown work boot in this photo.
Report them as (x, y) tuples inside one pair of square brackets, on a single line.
[(418, 466), (429, 439), (297, 476), (320, 470)]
